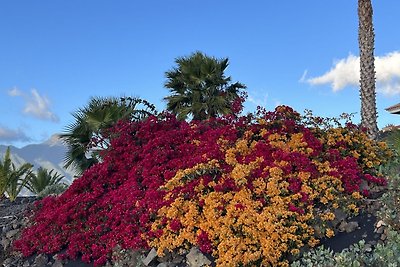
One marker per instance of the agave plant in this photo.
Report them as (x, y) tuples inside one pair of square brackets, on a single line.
[(12, 179), (43, 178)]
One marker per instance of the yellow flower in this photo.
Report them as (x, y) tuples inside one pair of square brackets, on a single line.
[(369, 164), (353, 208), (356, 195), (329, 216), (313, 242), (329, 233)]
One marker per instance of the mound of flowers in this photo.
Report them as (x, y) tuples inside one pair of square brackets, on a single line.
[(247, 190)]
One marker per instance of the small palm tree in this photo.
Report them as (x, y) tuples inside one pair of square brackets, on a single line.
[(43, 178), (199, 87), (12, 179), (85, 139)]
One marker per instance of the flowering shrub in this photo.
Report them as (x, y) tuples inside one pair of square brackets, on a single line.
[(260, 201), (248, 190)]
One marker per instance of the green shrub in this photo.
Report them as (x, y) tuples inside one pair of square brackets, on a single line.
[(12, 179), (360, 254), (42, 179), (54, 189)]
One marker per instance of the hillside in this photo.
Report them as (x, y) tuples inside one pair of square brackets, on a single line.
[(49, 154)]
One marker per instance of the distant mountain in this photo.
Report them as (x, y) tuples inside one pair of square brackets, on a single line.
[(49, 155)]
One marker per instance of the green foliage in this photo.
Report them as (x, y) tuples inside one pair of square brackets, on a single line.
[(54, 189), (390, 211), (199, 87), (12, 179), (37, 182), (317, 257), (85, 139), (388, 254), (392, 137), (360, 254)]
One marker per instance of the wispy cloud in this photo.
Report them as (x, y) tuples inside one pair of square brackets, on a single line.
[(346, 72), (258, 99), (303, 77), (262, 99), (12, 135), (36, 105), (14, 92)]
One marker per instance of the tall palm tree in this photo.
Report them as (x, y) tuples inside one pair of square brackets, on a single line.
[(12, 179), (84, 138), (367, 67), (37, 182), (199, 87)]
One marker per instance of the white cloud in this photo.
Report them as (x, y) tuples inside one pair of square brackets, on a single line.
[(11, 135), (36, 105), (345, 72), (14, 92), (256, 99), (39, 107), (303, 77)]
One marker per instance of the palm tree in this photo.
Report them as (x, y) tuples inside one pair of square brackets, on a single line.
[(85, 139), (367, 67), (199, 87), (43, 178), (12, 179)]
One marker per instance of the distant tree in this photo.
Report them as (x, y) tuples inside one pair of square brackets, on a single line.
[(199, 87), (367, 67), (37, 182), (12, 179), (84, 138)]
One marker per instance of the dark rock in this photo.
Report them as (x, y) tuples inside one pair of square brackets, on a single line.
[(177, 259), (167, 257)]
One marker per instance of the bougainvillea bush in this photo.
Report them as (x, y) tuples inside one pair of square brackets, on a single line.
[(248, 190)]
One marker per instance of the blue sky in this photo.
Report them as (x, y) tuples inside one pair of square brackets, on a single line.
[(55, 55)]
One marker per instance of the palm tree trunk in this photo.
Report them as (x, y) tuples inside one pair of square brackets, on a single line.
[(367, 68)]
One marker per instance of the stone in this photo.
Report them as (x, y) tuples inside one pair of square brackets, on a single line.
[(166, 257), (5, 242), (163, 264), (176, 259), (7, 262), (340, 215), (351, 226), (380, 223), (196, 259), (40, 260), (57, 263), (16, 225), (383, 237), (12, 233), (150, 257), (342, 226)]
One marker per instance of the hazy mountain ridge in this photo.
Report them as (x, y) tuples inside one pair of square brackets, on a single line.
[(49, 154)]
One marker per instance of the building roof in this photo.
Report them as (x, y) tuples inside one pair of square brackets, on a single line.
[(395, 109)]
